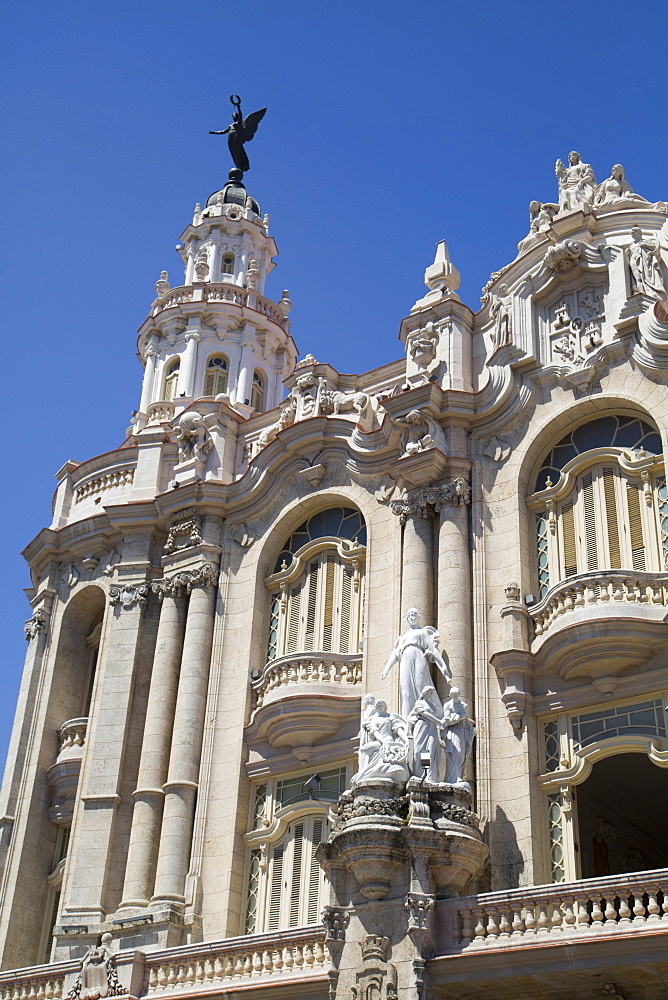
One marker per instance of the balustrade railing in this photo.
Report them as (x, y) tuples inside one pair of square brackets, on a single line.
[(599, 587), (309, 668), (108, 481), (39, 982), (73, 733), (220, 292), (531, 915), (160, 413), (274, 958)]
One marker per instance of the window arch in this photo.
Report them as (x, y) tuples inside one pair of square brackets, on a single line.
[(171, 379), (600, 501), (227, 263), (217, 373), (257, 391), (317, 587)]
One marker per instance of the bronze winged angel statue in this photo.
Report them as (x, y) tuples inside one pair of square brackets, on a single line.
[(241, 131)]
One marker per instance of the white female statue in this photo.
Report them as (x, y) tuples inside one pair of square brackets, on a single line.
[(459, 733), (414, 651), (645, 263), (427, 723), (383, 751)]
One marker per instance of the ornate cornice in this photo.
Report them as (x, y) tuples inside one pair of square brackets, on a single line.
[(431, 499)]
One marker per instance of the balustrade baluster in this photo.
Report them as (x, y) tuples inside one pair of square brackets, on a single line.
[(299, 956), (610, 911), (478, 913), (530, 916), (624, 911), (218, 968), (543, 921), (653, 908), (538, 625), (289, 957), (596, 913), (171, 976), (638, 905), (239, 965), (568, 600), (618, 589), (631, 596), (267, 963), (492, 925), (591, 593), (319, 953), (152, 980), (518, 921), (605, 588), (309, 957), (641, 590), (557, 917), (504, 923), (569, 913), (582, 913), (277, 959), (579, 596)]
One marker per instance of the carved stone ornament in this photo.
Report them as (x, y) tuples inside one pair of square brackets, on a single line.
[(185, 581), (97, 977), (422, 344), (377, 977), (185, 530), (563, 256), (162, 285), (577, 184), (419, 907), (430, 500), (193, 438), (130, 594), (335, 920), (420, 432), (36, 624), (353, 807), (307, 360), (512, 591)]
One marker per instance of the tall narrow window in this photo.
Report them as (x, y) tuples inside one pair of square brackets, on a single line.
[(257, 392), (171, 379), (217, 370), (227, 263), (295, 877)]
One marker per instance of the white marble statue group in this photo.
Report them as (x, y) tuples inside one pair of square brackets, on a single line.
[(430, 739)]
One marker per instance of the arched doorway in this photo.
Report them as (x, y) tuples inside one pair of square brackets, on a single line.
[(622, 811)]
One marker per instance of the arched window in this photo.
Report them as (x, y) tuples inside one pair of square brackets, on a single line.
[(600, 501), (257, 392), (287, 826), (227, 263), (217, 370), (171, 379), (317, 587)]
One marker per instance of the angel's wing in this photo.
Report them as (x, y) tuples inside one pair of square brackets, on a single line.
[(251, 122)]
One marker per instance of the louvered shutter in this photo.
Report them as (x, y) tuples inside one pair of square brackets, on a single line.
[(297, 866), (589, 514), (612, 525), (570, 551), (275, 888), (314, 875), (635, 527)]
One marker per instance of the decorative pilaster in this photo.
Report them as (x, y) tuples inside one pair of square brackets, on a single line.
[(188, 363), (454, 600), (186, 747), (149, 378)]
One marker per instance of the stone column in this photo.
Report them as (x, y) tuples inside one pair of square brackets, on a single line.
[(454, 585), (417, 569), (188, 363), (149, 795), (245, 374), (183, 776), (149, 379)]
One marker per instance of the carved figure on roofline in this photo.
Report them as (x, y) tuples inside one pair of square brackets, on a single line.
[(415, 650), (645, 263), (422, 344), (616, 190), (540, 216), (286, 419), (459, 733), (502, 311), (383, 752), (97, 977), (420, 433), (577, 183), (193, 437)]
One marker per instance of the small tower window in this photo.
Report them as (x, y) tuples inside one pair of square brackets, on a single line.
[(227, 265), (171, 379), (257, 392), (217, 369)]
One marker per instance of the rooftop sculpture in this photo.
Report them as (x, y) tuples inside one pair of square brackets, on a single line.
[(240, 132)]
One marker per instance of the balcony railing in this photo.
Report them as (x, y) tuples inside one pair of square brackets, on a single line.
[(601, 587), (537, 914), (308, 668), (73, 733), (220, 292), (160, 413), (111, 480), (38, 982), (280, 958)]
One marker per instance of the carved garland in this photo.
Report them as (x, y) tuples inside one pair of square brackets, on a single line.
[(130, 594), (186, 524), (431, 499), (185, 581)]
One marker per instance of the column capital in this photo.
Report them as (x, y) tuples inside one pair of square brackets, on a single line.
[(429, 500), (185, 581), (130, 594)]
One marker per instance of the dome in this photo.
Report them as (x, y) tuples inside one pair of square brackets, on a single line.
[(234, 193)]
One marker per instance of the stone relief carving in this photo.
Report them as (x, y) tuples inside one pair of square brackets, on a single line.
[(646, 266), (415, 650), (502, 312), (193, 438), (419, 907), (162, 285), (286, 419), (576, 182), (185, 530), (422, 344), (431, 499), (576, 329), (377, 977), (185, 581), (98, 977), (334, 402), (563, 256), (420, 432), (35, 624), (202, 266), (130, 594)]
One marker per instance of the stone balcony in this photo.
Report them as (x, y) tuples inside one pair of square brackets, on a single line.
[(519, 942), (63, 775), (607, 619), (225, 294), (304, 698)]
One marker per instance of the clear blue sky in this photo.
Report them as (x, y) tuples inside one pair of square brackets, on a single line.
[(390, 126)]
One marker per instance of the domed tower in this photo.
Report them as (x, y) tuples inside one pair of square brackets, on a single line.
[(217, 335)]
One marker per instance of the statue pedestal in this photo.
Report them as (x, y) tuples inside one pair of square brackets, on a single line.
[(392, 855)]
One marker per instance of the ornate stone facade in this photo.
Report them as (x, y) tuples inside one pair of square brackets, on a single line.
[(477, 533)]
